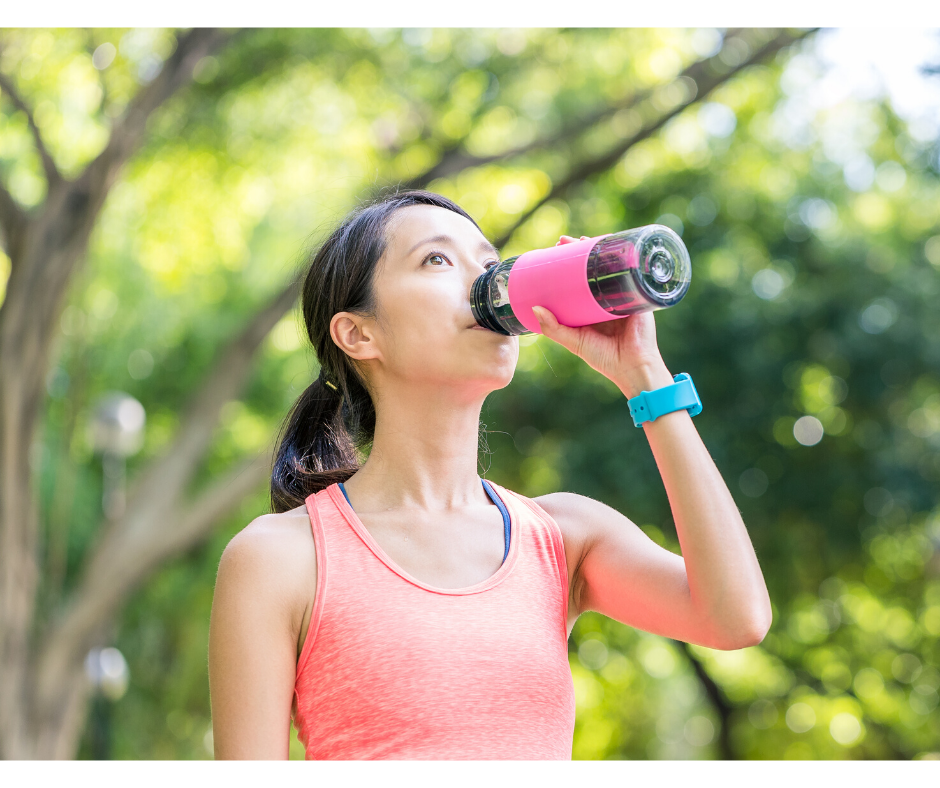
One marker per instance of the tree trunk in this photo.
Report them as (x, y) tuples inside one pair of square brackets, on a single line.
[(45, 249)]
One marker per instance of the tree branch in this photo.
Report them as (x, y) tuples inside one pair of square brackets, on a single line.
[(162, 483), (12, 222), (176, 71), (48, 163), (456, 159), (717, 697), (604, 162), (195, 519)]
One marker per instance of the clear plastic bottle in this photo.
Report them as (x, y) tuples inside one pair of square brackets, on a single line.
[(584, 282)]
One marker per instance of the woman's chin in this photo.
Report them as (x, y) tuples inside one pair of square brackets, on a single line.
[(503, 374), (492, 374)]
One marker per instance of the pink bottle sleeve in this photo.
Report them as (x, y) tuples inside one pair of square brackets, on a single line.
[(556, 278)]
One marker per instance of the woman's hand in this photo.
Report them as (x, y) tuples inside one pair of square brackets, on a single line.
[(623, 350)]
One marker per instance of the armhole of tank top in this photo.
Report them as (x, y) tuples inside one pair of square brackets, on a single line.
[(561, 559), (319, 543)]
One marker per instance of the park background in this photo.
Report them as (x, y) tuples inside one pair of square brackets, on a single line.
[(161, 189)]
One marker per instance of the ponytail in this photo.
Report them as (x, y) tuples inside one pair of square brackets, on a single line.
[(315, 449), (333, 421)]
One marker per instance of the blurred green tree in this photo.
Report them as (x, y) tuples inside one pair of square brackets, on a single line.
[(811, 306), (812, 325)]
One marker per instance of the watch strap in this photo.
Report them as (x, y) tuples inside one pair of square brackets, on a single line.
[(680, 395)]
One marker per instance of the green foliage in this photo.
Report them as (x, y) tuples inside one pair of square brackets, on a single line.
[(812, 306)]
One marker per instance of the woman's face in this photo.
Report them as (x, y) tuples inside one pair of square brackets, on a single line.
[(425, 330)]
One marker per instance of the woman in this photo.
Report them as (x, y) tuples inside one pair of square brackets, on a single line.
[(402, 607)]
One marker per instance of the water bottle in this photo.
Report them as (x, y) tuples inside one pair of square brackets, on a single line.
[(584, 282)]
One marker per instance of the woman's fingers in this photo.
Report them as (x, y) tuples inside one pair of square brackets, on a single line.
[(568, 239), (566, 336)]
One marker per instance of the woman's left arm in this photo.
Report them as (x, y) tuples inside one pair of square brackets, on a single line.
[(714, 594)]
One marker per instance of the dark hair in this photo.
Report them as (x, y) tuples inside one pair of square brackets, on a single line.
[(318, 440)]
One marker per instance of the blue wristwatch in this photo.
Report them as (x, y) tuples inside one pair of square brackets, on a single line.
[(650, 405)]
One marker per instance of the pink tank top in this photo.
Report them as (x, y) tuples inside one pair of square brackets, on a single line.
[(395, 668)]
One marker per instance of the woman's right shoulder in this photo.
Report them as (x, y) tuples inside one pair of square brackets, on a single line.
[(265, 583), (274, 556), (273, 536)]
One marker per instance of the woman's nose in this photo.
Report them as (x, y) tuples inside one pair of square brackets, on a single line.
[(475, 270)]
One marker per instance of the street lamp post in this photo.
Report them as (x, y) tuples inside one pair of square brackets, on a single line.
[(117, 432), (108, 673)]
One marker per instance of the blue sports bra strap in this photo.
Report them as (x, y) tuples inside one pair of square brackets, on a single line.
[(502, 509)]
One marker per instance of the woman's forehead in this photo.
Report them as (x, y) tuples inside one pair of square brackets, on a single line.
[(419, 223)]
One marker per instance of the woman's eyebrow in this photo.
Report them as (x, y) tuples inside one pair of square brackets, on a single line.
[(485, 246)]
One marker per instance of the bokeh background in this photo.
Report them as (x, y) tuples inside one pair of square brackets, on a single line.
[(160, 190)]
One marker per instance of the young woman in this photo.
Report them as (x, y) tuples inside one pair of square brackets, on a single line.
[(402, 607)]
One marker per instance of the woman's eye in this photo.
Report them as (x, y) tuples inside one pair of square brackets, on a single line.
[(435, 256), (490, 264)]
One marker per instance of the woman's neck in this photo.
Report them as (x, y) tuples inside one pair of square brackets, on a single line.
[(424, 454)]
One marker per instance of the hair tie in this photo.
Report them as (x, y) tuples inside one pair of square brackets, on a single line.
[(325, 378)]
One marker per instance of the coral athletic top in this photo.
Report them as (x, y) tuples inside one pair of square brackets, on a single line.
[(394, 668)]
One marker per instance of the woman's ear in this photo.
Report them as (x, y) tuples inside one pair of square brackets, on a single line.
[(353, 334)]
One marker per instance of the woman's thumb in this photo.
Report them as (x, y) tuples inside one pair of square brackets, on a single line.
[(563, 335), (542, 315)]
